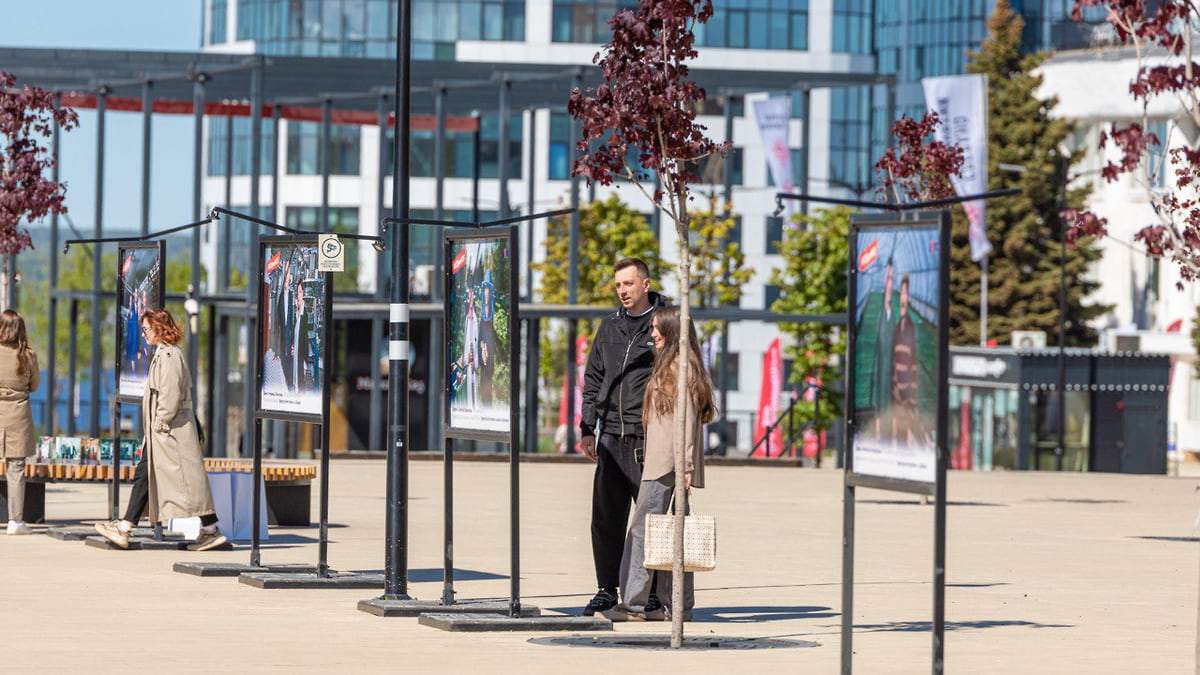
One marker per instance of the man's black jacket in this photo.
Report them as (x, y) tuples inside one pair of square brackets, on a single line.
[(618, 366)]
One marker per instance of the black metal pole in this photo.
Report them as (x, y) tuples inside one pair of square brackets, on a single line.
[(806, 103), (72, 366), (476, 159), (210, 404), (326, 155), (48, 415), (277, 212), (225, 245), (447, 448), (514, 442), (531, 325), (727, 178), (396, 558), (256, 500), (97, 315), (1061, 389), (147, 116), (530, 197), (502, 156), (193, 345), (326, 395), (572, 274), (436, 327)]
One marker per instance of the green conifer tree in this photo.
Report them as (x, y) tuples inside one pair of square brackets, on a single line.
[(1025, 230)]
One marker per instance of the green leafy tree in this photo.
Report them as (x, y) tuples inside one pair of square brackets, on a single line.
[(609, 230), (813, 280), (719, 271), (1023, 266)]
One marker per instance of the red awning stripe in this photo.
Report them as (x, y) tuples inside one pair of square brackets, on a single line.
[(287, 112)]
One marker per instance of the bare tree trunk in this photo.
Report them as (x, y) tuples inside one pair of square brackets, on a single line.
[(681, 427)]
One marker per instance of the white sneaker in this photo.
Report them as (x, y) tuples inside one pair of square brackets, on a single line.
[(18, 527)]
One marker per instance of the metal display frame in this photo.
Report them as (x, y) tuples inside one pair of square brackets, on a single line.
[(118, 398), (940, 222), (508, 235), (326, 385)]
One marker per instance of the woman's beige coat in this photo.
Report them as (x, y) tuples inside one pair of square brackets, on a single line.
[(18, 437), (178, 484), (660, 447)]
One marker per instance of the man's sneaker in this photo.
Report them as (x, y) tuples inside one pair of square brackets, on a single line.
[(112, 531), (207, 540), (605, 599), (18, 527), (655, 611)]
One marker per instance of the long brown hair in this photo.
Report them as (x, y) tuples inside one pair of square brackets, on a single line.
[(164, 326), (660, 388), (12, 335)]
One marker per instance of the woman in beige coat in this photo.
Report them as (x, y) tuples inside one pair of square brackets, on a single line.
[(19, 377), (641, 588), (178, 484)]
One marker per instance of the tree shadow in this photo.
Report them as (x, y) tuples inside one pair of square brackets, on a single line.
[(927, 626), (1186, 540), (906, 502), (1078, 500), (761, 613)]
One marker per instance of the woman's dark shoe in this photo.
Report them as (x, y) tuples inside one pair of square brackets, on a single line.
[(605, 599)]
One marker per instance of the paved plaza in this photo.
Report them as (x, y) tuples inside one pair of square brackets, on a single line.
[(1047, 573)]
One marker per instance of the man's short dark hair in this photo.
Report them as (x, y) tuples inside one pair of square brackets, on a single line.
[(904, 280), (643, 269)]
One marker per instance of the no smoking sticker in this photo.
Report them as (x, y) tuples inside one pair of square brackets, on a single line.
[(333, 254)]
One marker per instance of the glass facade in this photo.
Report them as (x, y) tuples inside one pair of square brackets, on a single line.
[(304, 139), (218, 132), (459, 149), (367, 28), (585, 20), (559, 150), (850, 160), (756, 24), (342, 219), (218, 22), (852, 26), (983, 428)]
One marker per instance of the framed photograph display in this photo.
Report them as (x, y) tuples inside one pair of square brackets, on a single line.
[(481, 320), (293, 318), (896, 384), (141, 286)]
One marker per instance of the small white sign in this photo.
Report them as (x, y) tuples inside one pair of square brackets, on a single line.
[(332, 256)]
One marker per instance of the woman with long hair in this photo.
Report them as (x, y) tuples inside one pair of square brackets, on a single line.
[(19, 377), (641, 588), (175, 461)]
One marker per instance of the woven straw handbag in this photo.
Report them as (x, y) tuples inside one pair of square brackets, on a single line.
[(699, 542)]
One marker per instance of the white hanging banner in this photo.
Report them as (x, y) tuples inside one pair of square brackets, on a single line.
[(961, 103), (772, 116)]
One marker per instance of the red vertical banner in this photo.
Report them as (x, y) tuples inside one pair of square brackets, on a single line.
[(581, 354), (768, 402)]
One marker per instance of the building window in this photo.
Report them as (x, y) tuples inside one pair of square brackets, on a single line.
[(850, 165), (459, 151), (304, 139), (774, 233), (797, 155), (1159, 168), (771, 293), (585, 20), (734, 374), (218, 21), (560, 150), (756, 24), (343, 220), (367, 28), (218, 132), (852, 26)]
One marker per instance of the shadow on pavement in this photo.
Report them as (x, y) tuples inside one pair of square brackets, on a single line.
[(908, 502), (927, 626), (1186, 540)]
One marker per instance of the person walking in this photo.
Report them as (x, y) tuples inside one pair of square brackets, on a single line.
[(178, 485), (611, 431), (657, 488), (19, 377)]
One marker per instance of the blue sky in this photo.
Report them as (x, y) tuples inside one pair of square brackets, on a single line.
[(163, 25)]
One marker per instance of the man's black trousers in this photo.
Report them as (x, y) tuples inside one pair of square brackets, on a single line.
[(614, 489)]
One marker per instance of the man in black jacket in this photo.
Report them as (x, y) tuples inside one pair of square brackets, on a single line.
[(611, 432)]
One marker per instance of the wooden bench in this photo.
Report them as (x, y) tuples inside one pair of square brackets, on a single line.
[(288, 486)]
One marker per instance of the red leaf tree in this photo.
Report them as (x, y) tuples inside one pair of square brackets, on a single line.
[(1162, 34), (917, 169), (27, 117), (641, 123)]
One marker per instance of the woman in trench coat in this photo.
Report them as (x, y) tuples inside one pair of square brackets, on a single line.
[(178, 484), (19, 377)]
